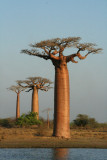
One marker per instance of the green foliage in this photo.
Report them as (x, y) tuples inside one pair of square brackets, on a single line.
[(28, 119), (83, 120), (92, 123), (8, 123)]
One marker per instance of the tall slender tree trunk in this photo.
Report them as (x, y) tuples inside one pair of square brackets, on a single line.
[(18, 106), (61, 103), (48, 119), (35, 101)]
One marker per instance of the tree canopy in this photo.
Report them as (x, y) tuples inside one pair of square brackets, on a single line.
[(83, 120), (16, 89), (48, 49), (38, 82)]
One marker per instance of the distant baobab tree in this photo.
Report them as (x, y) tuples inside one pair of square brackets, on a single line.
[(35, 84), (17, 89), (47, 110), (53, 50)]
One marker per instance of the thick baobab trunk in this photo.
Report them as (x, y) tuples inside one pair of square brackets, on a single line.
[(61, 103), (35, 102), (18, 106)]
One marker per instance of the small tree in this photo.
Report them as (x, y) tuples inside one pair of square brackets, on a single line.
[(17, 89), (35, 84), (54, 50), (47, 110), (81, 120)]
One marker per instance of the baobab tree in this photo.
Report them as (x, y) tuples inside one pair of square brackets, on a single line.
[(47, 110), (35, 84), (54, 50), (17, 89)]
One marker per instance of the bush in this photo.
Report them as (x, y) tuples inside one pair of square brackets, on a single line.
[(83, 120), (8, 123), (28, 119), (92, 123)]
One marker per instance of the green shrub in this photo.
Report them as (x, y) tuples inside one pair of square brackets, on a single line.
[(8, 123), (28, 119), (92, 123), (83, 120)]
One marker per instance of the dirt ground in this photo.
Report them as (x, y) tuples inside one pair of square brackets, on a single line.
[(42, 138)]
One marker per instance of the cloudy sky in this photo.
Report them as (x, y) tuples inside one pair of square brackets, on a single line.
[(23, 22)]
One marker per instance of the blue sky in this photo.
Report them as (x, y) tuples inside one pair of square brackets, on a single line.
[(28, 21)]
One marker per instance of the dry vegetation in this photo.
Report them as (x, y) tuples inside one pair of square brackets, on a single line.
[(15, 135), (42, 137)]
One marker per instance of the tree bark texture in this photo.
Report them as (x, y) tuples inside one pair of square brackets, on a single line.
[(18, 106), (35, 101), (61, 103)]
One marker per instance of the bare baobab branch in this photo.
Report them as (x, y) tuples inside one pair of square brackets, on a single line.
[(35, 53), (23, 83), (29, 90), (86, 47)]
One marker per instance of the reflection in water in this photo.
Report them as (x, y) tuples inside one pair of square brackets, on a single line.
[(60, 153), (53, 154)]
